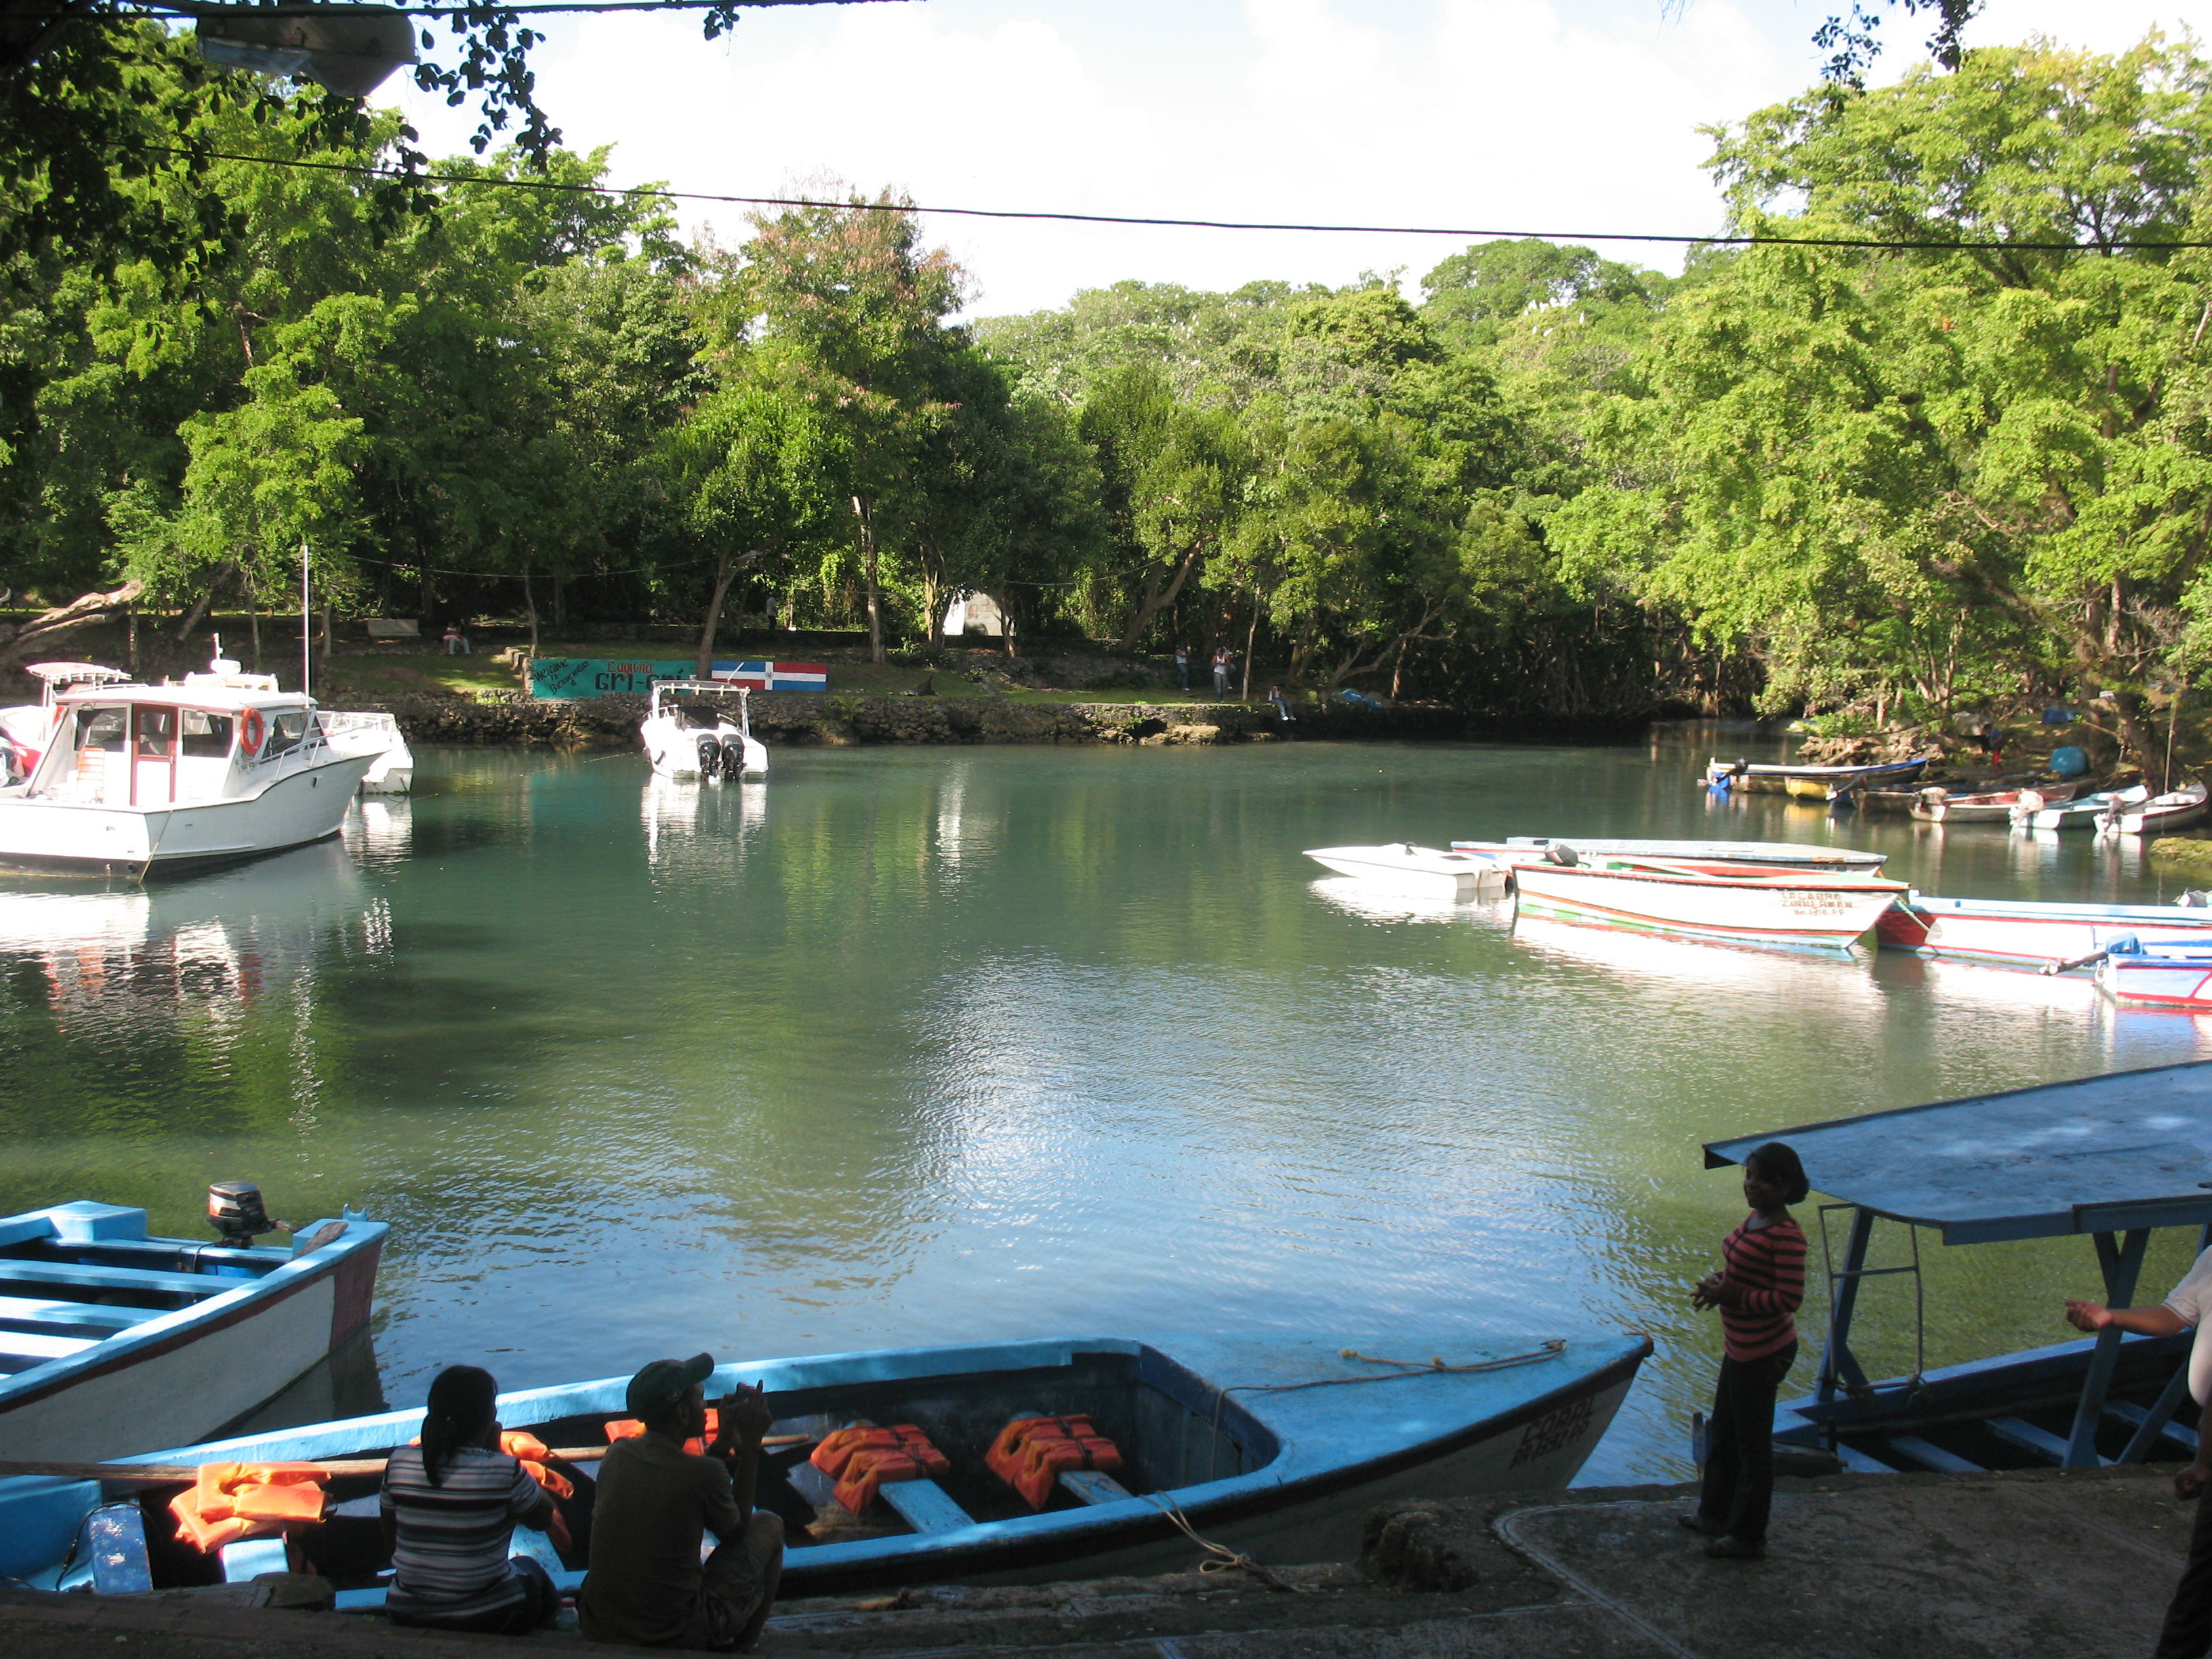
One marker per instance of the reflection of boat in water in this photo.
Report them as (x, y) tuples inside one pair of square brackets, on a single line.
[(222, 936), (1402, 866), (1380, 901), (1699, 965), (2112, 1157), (1235, 1434), (682, 813)]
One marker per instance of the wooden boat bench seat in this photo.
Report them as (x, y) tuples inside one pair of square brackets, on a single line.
[(30, 1313), (1093, 1487), (21, 1349), (13, 1272), (924, 1505)]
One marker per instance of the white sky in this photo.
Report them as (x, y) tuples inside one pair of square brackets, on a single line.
[(1557, 116)]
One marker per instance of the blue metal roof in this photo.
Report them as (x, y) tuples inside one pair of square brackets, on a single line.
[(2132, 1148)]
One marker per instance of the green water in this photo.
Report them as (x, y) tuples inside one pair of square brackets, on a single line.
[(932, 1044)]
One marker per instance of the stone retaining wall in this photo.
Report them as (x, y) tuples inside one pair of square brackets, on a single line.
[(796, 719)]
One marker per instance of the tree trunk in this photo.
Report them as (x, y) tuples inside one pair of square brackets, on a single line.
[(328, 633), (875, 588), (1251, 633), (1158, 599), (253, 622), (529, 609), (724, 569), (202, 605)]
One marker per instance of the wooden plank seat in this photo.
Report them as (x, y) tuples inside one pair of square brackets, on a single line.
[(143, 1279), (924, 1505), (2040, 1442), (1093, 1487), (2122, 1410), (20, 1350), (1930, 1456), (30, 1313)]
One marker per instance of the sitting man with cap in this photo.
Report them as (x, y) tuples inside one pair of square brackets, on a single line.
[(646, 1584)]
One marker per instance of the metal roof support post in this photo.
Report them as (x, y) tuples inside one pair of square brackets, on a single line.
[(2122, 1263), (1837, 1360)]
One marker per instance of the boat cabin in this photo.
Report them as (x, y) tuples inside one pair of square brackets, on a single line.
[(2109, 1157), (165, 746)]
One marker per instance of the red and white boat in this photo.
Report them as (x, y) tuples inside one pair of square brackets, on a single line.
[(1750, 903), (114, 1341), (2135, 975), (2032, 934)]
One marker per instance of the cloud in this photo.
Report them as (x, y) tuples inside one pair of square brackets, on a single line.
[(1537, 115)]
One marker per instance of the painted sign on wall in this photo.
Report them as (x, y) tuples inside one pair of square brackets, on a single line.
[(568, 677)]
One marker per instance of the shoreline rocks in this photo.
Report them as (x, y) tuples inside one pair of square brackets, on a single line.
[(796, 719)]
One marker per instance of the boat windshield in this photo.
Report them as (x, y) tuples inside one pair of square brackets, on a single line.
[(287, 728)]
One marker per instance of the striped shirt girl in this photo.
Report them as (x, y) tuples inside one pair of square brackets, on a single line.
[(1765, 1274), (451, 1558)]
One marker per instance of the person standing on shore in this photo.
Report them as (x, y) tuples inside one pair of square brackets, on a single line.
[(2187, 1632), (1182, 666), (1224, 661), (1759, 1288)]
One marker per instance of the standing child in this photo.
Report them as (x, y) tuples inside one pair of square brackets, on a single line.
[(1757, 1290)]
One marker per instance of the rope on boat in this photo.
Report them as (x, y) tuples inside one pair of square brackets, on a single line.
[(1218, 1558)]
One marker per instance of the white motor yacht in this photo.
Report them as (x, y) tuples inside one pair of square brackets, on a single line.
[(140, 778), (392, 771), (686, 738)]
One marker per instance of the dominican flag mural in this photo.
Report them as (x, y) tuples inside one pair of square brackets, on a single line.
[(775, 676)]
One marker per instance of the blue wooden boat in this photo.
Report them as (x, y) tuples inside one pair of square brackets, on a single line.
[(112, 1341), (2113, 1158), (1278, 1447)]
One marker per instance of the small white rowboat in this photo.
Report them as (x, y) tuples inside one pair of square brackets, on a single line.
[(1406, 868), (2175, 810), (2135, 975), (2031, 934)]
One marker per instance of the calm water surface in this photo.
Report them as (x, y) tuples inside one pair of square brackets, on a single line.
[(925, 1045)]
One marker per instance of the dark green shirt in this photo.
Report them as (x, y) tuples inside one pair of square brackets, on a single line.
[(654, 1502)]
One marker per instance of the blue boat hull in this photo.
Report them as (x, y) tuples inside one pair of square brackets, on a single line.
[(1278, 1447)]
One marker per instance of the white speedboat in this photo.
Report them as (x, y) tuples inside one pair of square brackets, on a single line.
[(2093, 811), (25, 726), (1791, 854), (1402, 866), (1751, 903), (686, 736), (140, 778), (391, 772)]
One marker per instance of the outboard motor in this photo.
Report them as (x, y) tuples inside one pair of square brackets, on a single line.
[(235, 1211), (733, 758), (710, 755)]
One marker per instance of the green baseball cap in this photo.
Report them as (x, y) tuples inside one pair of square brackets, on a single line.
[(660, 1384)]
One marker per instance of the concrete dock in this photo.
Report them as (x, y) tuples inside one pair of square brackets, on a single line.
[(2072, 1565)]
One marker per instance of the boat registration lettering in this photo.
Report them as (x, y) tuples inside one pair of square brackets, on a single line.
[(1554, 1432)]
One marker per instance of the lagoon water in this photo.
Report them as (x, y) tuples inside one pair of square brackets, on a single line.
[(915, 1045)]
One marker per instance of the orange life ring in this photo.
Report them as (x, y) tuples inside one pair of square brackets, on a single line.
[(250, 731)]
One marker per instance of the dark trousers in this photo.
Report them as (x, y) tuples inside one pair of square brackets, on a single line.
[(540, 1601), (2187, 1633), (1739, 1487)]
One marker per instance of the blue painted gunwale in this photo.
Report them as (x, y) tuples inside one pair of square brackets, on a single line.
[(227, 1300), (1318, 1442)]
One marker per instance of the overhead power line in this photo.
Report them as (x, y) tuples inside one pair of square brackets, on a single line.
[(2120, 245), (186, 9)]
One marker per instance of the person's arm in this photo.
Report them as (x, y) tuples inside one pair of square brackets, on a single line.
[(742, 1418), (2159, 1321)]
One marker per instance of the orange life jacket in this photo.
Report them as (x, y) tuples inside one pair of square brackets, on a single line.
[(862, 1458), (1030, 1452), (231, 1501), (629, 1428), (530, 1452)]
